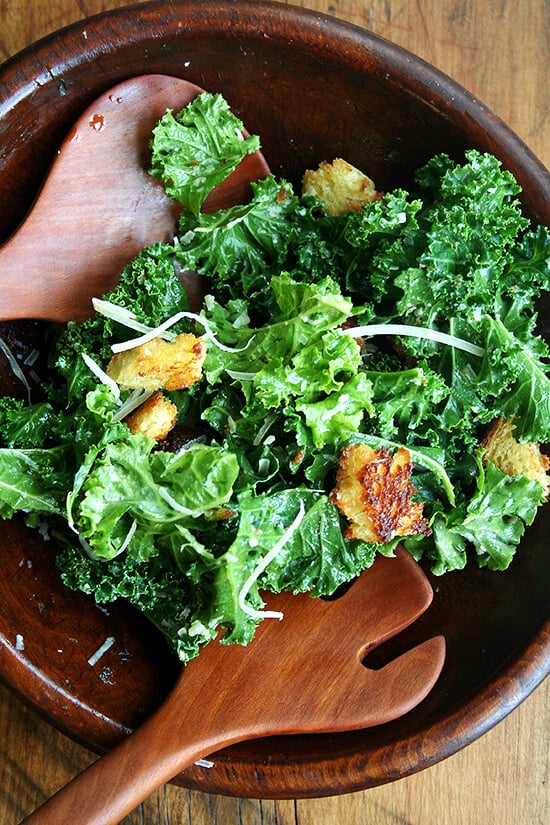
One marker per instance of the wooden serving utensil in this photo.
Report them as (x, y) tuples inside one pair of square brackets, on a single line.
[(301, 674), (99, 206)]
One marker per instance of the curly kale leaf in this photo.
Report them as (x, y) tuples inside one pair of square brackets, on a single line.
[(26, 426), (516, 383), (238, 247), (197, 148), (493, 522), (127, 497), (311, 556)]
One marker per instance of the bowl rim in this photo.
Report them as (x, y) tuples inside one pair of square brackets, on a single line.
[(527, 667), (437, 87)]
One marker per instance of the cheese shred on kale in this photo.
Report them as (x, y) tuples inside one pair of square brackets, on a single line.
[(409, 324)]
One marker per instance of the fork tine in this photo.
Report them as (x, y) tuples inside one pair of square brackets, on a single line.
[(398, 586), (384, 600), (373, 697), (320, 646)]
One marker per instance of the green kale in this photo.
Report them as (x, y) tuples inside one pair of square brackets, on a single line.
[(493, 522), (26, 425), (127, 498), (34, 481), (300, 363), (197, 148), (237, 248)]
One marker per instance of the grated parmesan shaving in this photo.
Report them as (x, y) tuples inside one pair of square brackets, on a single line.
[(15, 368), (95, 657), (121, 315), (259, 569), (411, 331), (101, 375), (239, 375), (31, 357), (134, 400), (127, 317)]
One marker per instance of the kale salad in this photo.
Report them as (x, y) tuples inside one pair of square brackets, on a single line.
[(341, 376)]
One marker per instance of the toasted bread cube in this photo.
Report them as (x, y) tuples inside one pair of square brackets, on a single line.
[(374, 492), (512, 457), (159, 364), (339, 186), (154, 418)]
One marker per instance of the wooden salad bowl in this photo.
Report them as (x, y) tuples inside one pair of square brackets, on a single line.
[(313, 88)]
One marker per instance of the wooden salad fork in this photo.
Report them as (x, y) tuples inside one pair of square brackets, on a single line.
[(301, 674)]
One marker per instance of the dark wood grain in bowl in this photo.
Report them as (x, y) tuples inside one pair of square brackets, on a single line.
[(312, 88)]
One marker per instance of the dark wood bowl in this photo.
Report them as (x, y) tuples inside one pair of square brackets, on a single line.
[(313, 88)]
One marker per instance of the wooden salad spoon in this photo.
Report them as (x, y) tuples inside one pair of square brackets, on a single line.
[(302, 674), (99, 206)]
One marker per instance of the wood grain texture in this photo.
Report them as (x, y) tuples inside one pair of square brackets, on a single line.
[(499, 50)]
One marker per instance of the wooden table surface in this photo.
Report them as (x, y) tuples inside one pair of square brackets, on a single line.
[(500, 51)]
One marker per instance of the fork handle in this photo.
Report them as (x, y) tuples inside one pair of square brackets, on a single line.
[(118, 782)]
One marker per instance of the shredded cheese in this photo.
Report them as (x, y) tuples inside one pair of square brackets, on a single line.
[(368, 330), (134, 400), (99, 373), (263, 564), (95, 657), (127, 318)]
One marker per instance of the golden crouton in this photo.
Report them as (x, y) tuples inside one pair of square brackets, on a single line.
[(154, 418), (159, 364), (339, 186), (512, 457), (374, 491)]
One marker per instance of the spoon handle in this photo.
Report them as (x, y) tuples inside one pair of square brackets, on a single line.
[(20, 296)]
